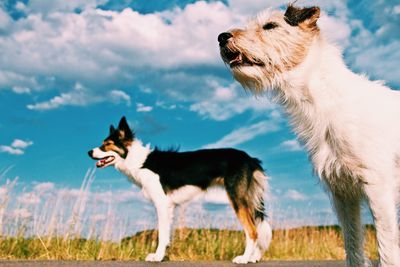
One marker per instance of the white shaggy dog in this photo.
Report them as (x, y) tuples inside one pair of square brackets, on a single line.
[(349, 125)]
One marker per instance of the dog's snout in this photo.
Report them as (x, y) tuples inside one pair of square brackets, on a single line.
[(223, 38), (90, 153)]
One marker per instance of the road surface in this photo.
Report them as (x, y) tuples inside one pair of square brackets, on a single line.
[(20, 263)]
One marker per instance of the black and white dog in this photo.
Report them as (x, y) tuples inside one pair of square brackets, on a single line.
[(169, 178)]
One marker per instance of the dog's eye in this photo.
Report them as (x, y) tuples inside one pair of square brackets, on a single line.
[(108, 143), (270, 25)]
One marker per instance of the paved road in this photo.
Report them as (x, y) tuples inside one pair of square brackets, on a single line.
[(17, 263)]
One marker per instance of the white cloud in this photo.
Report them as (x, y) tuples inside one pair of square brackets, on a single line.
[(99, 47), (29, 199), (396, 10), (99, 217), (227, 102), (44, 187), (17, 147), (250, 8), (335, 30), (118, 96), (81, 96), (126, 196), (108, 49), (295, 195), (140, 107), (5, 20), (291, 145), (47, 6), (21, 213), (18, 143), (21, 90), (12, 151), (20, 6), (388, 57), (244, 134), (164, 105), (216, 196)]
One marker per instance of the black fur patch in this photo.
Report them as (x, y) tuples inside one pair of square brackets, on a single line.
[(203, 167), (294, 15)]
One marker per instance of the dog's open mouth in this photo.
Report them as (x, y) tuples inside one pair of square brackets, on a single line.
[(236, 59), (233, 58), (104, 161)]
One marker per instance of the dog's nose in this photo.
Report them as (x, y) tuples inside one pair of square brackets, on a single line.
[(223, 38), (90, 153)]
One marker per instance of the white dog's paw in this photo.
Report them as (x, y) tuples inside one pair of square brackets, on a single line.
[(241, 260), (154, 257), (256, 256)]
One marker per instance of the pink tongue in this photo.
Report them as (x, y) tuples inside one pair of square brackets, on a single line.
[(100, 163), (236, 59)]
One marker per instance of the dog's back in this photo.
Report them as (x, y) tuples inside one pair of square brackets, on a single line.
[(201, 168)]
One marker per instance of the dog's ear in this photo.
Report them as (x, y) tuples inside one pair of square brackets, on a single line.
[(124, 130), (307, 16), (112, 129)]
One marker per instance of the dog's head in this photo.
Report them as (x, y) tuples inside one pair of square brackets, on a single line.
[(115, 147), (271, 44)]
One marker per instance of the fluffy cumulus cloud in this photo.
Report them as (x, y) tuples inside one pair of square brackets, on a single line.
[(375, 43), (5, 20), (216, 196), (96, 45), (225, 102), (47, 6), (291, 145), (43, 187), (53, 44), (17, 147), (58, 44), (81, 96), (29, 199)]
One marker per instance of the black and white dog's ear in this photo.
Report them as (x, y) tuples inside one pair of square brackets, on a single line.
[(306, 16), (126, 132), (123, 124), (112, 129)]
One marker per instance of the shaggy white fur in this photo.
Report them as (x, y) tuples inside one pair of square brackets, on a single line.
[(349, 125)]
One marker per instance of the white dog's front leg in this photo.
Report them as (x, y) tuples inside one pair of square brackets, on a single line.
[(382, 202), (163, 233), (154, 191)]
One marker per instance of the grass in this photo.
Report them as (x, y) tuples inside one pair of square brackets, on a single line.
[(188, 244), (47, 223)]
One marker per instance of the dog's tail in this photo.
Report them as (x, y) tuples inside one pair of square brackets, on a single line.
[(257, 188)]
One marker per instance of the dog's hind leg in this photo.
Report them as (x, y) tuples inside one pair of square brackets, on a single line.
[(246, 218), (382, 202), (246, 193), (348, 212), (245, 214)]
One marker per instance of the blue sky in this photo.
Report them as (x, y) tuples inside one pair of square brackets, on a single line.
[(68, 69)]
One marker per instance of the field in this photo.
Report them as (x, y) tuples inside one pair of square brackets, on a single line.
[(188, 244), (47, 222)]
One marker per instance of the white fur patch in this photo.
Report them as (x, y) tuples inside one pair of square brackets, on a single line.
[(185, 194), (349, 125), (137, 154)]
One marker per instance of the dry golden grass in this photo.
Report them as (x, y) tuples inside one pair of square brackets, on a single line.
[(188, 244)]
